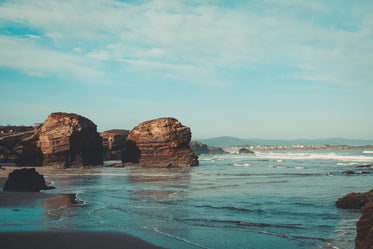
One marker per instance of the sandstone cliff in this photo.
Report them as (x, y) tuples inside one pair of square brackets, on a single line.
[(113, 142), (64, 140), (162, 142)]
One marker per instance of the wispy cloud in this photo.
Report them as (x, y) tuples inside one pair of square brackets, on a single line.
[(21, 54), (191, 41)]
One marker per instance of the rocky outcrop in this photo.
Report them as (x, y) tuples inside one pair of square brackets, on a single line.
[(14, 130), (64, 140), (355, 200), (162, 142), (11, 142), (245, 151), (113, 142), (200, 148), (25, 180), (364, 228)]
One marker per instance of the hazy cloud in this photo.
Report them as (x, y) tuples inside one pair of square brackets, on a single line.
[(23, 55), (178, 39)]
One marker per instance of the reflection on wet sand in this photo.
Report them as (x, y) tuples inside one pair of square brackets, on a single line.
[(59, 207), (143, 174), (158, 194), (155, 187), (178, 179)]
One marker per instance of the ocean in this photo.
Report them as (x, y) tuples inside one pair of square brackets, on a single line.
[(263, 200)]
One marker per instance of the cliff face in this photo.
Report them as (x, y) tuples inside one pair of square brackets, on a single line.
[(113, 142), (162, 142), (64, 140)]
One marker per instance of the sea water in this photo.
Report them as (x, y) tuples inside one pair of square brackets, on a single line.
[(262, 200)]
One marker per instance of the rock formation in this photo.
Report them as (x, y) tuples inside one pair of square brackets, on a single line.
[(200, 148), (245, 151), (113, 142), (355, 200), (64, 140), (14, 130), (25, 180), (364, 228), (11, 142), (162, 142)]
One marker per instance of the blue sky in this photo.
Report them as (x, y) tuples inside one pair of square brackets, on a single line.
[(251, 69)]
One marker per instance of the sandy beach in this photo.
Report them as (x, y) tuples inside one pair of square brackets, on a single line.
[(56, 239), (71, 240)]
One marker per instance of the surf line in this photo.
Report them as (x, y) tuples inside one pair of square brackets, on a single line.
[(178, 238)]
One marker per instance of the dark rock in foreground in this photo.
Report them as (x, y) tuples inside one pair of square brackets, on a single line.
[(364, 228), (200, 148), (162, 142), (245, 151), (355, 200), (64, 140), (114, 141), (25, 180)]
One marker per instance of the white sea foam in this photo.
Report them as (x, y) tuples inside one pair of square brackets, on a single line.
[(368, 151), (299, 167), (242, 164), (347, 164), (313, 156)]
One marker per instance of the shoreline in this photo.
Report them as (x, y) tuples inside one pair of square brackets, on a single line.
[(44, 239)]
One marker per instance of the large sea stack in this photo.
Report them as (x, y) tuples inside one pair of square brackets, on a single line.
[(162, 142), (64, 140)]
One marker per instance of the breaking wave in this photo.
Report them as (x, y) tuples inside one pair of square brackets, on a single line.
[(281, 156)]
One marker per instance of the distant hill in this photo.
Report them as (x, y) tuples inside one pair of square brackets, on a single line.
[(234, 141)]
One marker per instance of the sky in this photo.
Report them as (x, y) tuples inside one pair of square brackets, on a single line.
[(252, 69)]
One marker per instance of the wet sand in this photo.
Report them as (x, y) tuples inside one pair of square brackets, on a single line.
[(71, 240), (24, 199), (57, 239)]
